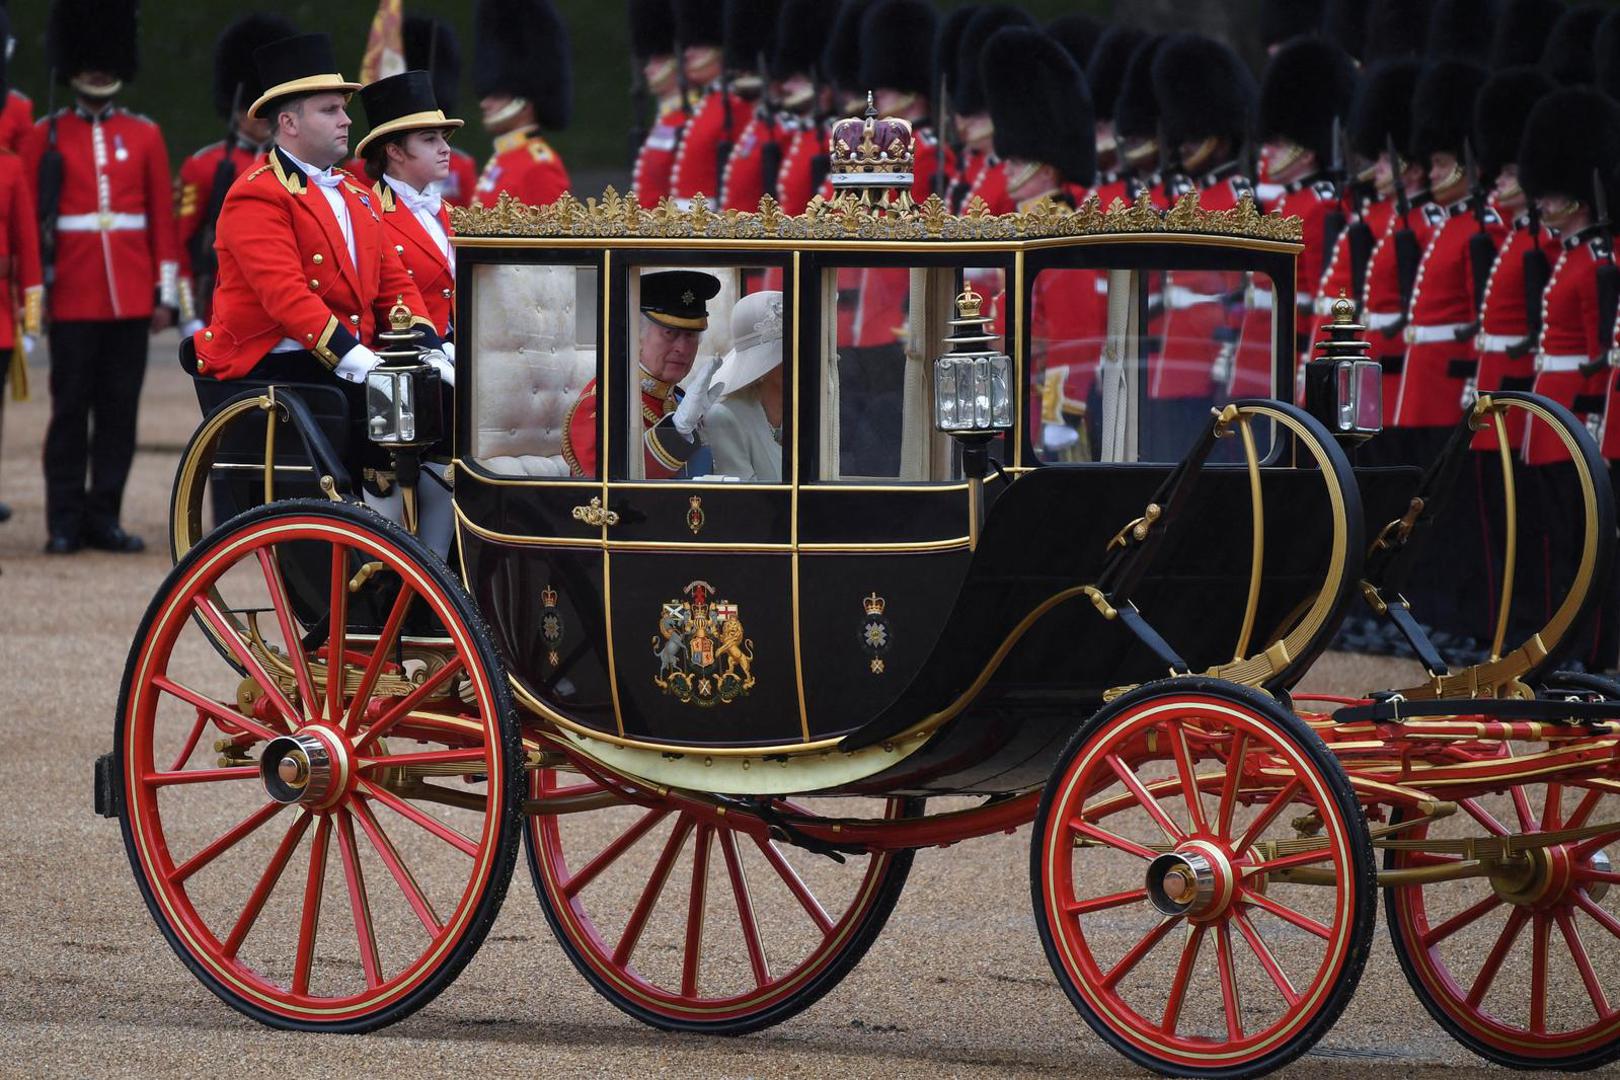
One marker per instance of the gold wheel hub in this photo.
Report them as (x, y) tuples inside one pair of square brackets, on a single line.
[(1539, 878)]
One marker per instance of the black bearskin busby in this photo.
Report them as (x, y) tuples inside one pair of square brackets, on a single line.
[(885, 25), (1500, 112), (1204, 90), (431, 45), (93, 35), (1571, 133), (797, 50), (970, 93), (749, 27), (1443, 107), (1307, 84), (1039, 103), (1136, 112), (1570, 56), (1461, 30), (1078, 34), (652, 29), (1284, 20), (841, 58), (699, 22), (1521, 31), (236, 76), (5, 50), (1344, 23), (1383, 107), (523, 49), (1606, 55), (1105, 71), (951, 28), (1397, 28)]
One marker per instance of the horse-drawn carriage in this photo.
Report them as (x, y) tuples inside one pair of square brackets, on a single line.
[(998, 566)]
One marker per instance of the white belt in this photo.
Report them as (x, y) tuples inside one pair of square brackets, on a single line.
[(101, 223), (1496, 342), (1260, 299), (1379, 320), (1429, 335), (1545, 362), (1179, 296)]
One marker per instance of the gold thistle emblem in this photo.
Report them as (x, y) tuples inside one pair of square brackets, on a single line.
[(874, 632), (704, 658), (551, 625)]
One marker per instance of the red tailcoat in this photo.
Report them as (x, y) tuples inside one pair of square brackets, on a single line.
[(744, 182), (16, 120), (194, 189), (697, 167), (1505, 322), (1381, 296), (285, 272), (425, 264), (666, 450), (115, 241), (21, 281), (1570, 336), (525, 165)]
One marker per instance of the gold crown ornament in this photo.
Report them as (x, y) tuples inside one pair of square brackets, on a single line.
[(874, 604), (872, 154)]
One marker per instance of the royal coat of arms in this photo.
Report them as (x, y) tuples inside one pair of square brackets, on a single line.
[(703, 656)]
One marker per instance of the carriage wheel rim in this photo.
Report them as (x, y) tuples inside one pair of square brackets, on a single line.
[(1081, 968), (337, 822)]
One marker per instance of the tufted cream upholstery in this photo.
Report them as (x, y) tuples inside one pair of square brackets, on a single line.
[(534, 356)]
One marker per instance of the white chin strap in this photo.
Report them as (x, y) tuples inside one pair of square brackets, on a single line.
[(507, 112), (97, 91)]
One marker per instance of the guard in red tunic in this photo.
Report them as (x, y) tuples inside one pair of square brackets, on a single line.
[(757, 151), (524, 79), (407, 155), (21, 280), (675, 313), (719, 117), (1105, 73), (653, 50), (795, 59), (431, 45), (1136, 127), (983, 173), (115, 265), (208, 174)]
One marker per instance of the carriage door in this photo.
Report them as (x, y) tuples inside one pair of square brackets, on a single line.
[(698, 564)]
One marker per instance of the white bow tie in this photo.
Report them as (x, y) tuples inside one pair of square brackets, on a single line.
[(327, 179), (416, 202)]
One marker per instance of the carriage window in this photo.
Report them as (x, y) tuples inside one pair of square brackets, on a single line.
[(534, 348), (713, 336), (1125, 365)]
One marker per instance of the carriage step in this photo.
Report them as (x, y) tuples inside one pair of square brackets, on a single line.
[(106, 797)]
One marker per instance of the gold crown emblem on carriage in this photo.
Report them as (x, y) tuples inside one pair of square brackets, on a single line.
[(548, 596), (874, 604)]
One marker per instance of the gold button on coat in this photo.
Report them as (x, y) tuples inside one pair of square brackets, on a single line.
[(355, 319), (447, 294), (208, 335), (314, 283), (318, 259)]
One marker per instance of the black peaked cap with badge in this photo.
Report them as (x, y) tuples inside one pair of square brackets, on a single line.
[(1308, 83), (970, 89), (93, 35), (1039, 103), (678, 299), (1501, 111), (749, 27), (521, 48), (1521, 31), (1078, 33), (431, 45), (1284, 20), (652, 28), (1569, 57), (1571, 134), (296, 66), (909, 70), (700, 22), (1204, 90), (1443, 107), (799, 37), (1105, 71), (1383, 107), (236, 76)]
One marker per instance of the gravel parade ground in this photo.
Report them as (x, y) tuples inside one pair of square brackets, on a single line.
[(957, 984)]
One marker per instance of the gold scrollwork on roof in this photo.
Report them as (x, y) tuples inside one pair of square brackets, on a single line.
[(846, 217)]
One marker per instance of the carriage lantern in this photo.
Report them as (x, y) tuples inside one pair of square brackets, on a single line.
[(972, 384), (1343, 388), (402, 393)]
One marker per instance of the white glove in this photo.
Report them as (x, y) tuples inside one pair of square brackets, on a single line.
[(1056, 436), (29, 344), (190, 327), (442, 364), (356, 364), (701, 393), (449, 349)]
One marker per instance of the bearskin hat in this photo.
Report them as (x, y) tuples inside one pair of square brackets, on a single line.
[(951, 28), (652, 28), (236, 76), (1606, 55), (431, 45), (1078, 34), (1521, 31), (1500, 112), (841, 58), (1283, 20), (799, 35), (1383, 107), (1203, 89), (1039, 103), (93, 35), (1136, 112), (889, 21), (1397, 28), (1105, 71), (1571, 133), (1307, 84), (699, 22), (1461, 30), (1443, 107), (523, 50), (970, 93), (1345, 24), (5, 38), (1569, 57), (750, 26)]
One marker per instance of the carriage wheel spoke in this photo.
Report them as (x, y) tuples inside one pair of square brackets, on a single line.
[(337, 630), (1189, 778), (1585, 849), (1583, 963), (650, 895), (745, 908), (1541, 927), (1521, 809), (221, 715), (1584, 808), (801, 891), (1233, 781), (1599, 916), (1485, 818), (1264, 819), (1285, 913), (284, 617), (1498, 953), (1588, 874), (610, 854), (359, 902), (1171, 830), (1127, 963), (696, 898), (228, 840), (426, 757), (1183, 976), (1552, 810), (1229, 988), (1299, 858), (200, 776), (244, 656), (1268, 961), (1103, 836), (431, 824), (309, 920), (1436, 934), (379, 656), (396, 866), (1104, 903), (405, 705), (266, 884)]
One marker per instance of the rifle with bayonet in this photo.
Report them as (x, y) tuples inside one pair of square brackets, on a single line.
[(50, 190), (1608, 278), (1537, 273), (1333, 222), (1407, 255), (1481, 250), (1360, 242), (940, 182)]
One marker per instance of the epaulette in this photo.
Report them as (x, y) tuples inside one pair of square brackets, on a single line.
[(142, 117), (261, 169), (540, 150), (209, 148)]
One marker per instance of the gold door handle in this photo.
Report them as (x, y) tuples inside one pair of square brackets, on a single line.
[(594, 513)]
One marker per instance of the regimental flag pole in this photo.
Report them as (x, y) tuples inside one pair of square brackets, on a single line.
[(385, 44)]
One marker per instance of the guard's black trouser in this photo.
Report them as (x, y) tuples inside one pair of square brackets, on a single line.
[(97, 369)]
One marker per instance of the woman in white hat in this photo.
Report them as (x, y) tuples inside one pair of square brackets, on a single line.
[(744, 428)]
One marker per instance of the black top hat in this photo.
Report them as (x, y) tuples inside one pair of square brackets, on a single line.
[(521, 48), (93, 35), (1306, 85), (1204, 90), (678, 299), (296, 66), (236, 77), (401, 103), (1039, 103), (431, 46)]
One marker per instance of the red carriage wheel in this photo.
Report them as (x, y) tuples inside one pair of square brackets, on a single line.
[(689, 925), (324, 853), (1518, 963), (1203, 879)]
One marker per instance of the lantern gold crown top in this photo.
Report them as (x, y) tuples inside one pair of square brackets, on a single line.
[(968, 303), (971, 327), (399, 316)]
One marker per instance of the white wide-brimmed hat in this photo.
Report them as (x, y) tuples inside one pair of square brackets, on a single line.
[(756, 340)]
